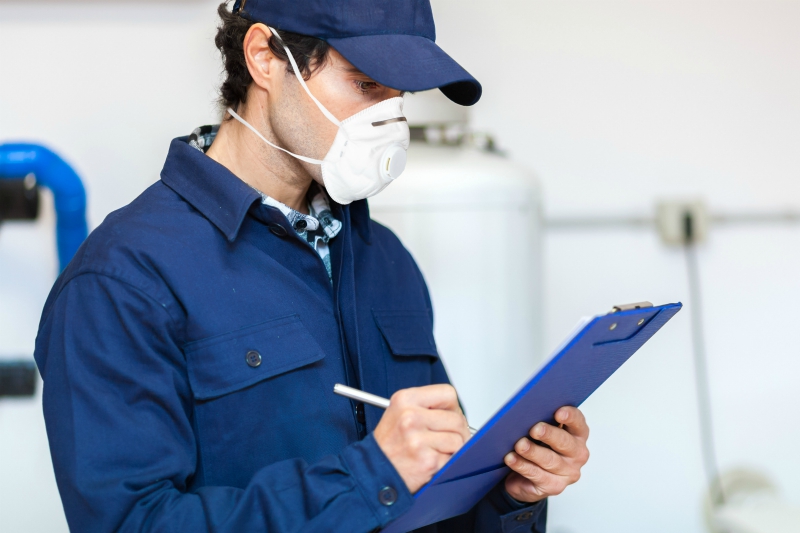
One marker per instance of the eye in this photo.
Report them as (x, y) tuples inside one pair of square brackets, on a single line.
[(365, 86)]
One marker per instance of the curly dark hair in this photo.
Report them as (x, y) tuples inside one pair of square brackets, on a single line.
[(310, 54)]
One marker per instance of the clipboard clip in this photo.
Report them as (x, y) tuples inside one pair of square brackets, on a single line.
[(629, 307)]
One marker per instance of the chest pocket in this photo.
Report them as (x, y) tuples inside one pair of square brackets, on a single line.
[(412, 350), (225, 363), (257, 388)]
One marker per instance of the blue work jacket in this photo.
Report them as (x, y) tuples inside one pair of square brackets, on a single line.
[(189, 353)]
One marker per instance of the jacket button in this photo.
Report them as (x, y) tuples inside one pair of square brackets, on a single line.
[(387, 496), (524, 516), (277, 229), (253, 358)]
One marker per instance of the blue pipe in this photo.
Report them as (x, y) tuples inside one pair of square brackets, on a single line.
[(18, 160)]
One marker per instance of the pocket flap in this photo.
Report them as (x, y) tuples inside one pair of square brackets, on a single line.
[(407, 332), (220, 364)]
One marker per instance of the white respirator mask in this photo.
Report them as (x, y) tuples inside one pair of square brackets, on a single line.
[(368, 153)]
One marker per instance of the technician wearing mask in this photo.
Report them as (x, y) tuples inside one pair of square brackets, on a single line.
[(190, 349)]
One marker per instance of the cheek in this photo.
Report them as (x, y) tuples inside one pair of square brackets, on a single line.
[(339, 95), (325, 130), (318, 131), (301, 125)]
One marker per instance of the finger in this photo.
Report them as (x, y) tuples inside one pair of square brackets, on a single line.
[(522, 489), (574, 421), (440, 420), (416, 419), (442, 460), (445, 442), (545, 482), (441, 396), (542, 457), (431, 461), (560, 440)]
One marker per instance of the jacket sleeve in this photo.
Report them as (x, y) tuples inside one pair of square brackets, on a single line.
[(119, 417)]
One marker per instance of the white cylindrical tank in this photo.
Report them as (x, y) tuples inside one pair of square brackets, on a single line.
[(471, 219)]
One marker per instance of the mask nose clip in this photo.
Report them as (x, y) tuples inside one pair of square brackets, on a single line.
[(393, 162), (389, 121)]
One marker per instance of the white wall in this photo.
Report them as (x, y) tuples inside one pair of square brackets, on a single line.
[(618, 103), (613, 104), (107, 85)]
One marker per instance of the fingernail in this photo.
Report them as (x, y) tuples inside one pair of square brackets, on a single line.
[(510, 459), (563, 416), (523, 445), (538, 431)]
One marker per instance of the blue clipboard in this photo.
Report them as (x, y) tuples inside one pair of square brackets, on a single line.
[(575, 371)]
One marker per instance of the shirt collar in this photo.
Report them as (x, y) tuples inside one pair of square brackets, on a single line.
[(320, 220), (223, 198)]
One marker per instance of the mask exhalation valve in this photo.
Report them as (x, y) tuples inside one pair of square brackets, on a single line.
[(393, 162)]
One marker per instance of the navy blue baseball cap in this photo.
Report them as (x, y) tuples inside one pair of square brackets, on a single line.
[(391, 41)]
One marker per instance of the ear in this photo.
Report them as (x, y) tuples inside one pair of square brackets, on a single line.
[(263, 65)]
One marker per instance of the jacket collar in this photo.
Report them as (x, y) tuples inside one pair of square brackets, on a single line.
[(208, 186), (223, 198), (359, 214)]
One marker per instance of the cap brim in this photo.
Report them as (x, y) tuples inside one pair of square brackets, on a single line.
[(409, 63)]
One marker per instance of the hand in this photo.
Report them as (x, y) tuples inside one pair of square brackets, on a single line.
[(420, 430), (539, 472)]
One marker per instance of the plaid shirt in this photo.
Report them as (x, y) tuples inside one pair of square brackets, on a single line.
[(318, 227)]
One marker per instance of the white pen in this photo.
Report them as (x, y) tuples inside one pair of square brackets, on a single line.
[(371, 399)]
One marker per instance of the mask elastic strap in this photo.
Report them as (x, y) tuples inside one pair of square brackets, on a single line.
[(247, 124), (321, 107)]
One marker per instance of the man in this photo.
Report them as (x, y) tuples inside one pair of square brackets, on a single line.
[(190, 349)]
